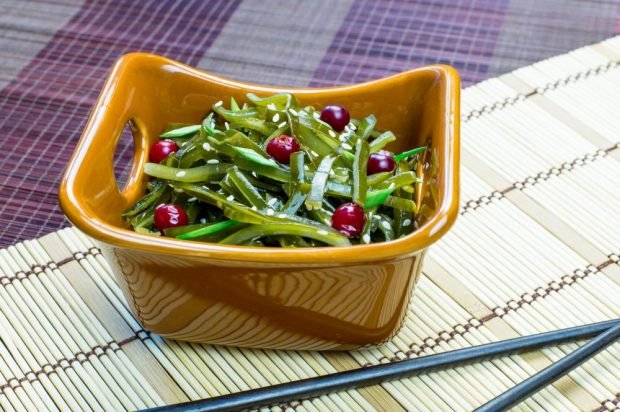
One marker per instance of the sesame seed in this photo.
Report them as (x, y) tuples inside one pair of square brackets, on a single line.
[(315, 154), (213, 161), (271, 106), (230, 198), (282, 215), (181, 173), (353, 127), (203, 220), (272, 201), (316, 115), (226, 125), (192, 199), (206, 146), (386, 225), (275, 117), (332, 133), (218, 104), (392, 185), (406, 222), (281, 125), (343, 137), (254, 208), (366, 238), (347, 146), (293, 112), (269, 212), (322, 232)]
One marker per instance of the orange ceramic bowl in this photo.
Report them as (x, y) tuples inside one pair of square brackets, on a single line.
[(314, 298)]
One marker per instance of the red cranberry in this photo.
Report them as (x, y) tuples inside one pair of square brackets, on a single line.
[(335, 116), (379, 162), (282, 147), (162, 149), (349, 219), (169, 215)]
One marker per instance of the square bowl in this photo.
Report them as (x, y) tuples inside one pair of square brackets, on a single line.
[(305, 298)]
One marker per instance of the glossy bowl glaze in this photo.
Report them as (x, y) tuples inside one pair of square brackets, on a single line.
[(314, 298)]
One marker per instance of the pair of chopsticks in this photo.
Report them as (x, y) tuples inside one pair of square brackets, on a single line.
[(603, 334)]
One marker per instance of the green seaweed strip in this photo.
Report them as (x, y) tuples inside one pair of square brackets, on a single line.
[(276, 173), (381, 141), (208, 127), (254, 157), (179, 230), (400, 203), (399, 180), (245, 187), (408, 153), (332, 237), (238, 139), (228, 187), (319, 181), (252, 123), (147, 200), (182, 132), (208, 230), (366, 127), (377, 178), (377, 197), (281, 101), (366, 235), (194, 174), (360, 185), (294, 202), (234, 107), (297, 194), (235, 116), (262, 184), (385, 226)]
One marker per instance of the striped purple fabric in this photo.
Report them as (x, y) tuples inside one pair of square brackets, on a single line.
[(45, 108), (390, 37), (55, 55)]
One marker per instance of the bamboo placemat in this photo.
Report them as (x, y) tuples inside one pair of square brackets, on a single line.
[(536, 248)]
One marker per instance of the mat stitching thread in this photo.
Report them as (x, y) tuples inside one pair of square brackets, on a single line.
[(428, 343), (81, 357), (543, 176), (38, 268), (509, 101), (615, 402), (499, 312)]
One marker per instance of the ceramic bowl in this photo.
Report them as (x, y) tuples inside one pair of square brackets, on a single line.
[(306, 298)]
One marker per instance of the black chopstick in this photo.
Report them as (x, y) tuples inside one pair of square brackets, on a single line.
[(356, 378), (551, 373)]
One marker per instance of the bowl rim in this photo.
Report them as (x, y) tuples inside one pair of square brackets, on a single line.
[(433, 229)]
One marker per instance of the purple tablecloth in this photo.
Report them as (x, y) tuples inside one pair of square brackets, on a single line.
[(54, 57)]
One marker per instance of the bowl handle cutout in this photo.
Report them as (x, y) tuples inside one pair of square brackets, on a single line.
[(129, 156)]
